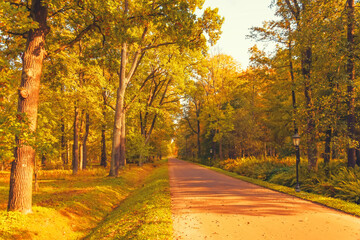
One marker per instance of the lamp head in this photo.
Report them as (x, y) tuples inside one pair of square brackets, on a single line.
[(296, 139)]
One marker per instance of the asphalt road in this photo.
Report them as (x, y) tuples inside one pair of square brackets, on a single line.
[(209, 205)]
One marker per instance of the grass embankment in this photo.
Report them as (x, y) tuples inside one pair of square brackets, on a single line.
[(70, 207), (145, 214), (277, 174)]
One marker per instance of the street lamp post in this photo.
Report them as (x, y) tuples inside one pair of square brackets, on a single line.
[(296, 141)]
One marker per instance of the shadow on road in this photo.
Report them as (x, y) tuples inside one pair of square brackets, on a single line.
[(200, 190)]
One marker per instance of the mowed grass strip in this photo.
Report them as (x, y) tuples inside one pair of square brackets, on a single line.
[(67, 206), (145, 214)]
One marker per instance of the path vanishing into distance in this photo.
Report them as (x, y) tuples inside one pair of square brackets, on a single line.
[(209, 205)]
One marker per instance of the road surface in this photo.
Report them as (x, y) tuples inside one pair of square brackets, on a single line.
[(209, 205)]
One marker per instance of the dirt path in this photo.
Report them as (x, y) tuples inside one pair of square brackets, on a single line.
[(209, 205)]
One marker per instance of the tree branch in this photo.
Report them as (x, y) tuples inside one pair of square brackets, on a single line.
[(21, 5), (137, 58), (192, 129), (17, 34), (173, 101), (64, 9), (106, 103), (295, 12), (140, 89), (159, 45), (151, 129), (77, 38)]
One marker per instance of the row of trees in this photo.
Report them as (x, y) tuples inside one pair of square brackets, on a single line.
[(87, 67), (306, 85)]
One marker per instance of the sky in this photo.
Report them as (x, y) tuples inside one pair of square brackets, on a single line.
[(240, 15)]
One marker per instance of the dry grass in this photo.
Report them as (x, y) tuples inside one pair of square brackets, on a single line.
[(67, 206)]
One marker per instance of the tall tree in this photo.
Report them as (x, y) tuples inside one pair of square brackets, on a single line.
[(20, 194), (350, 69), (163, 24), (33, 25)]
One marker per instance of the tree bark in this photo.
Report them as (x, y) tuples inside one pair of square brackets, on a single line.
[(20, 193), (87, 128), (80, 155), (221, 150), (64, 158), (198, 110), (63, 142), (198, 139), (115, 154), (306, 63), (123, 141), (327, 153), (75, 161), (358, 156), (292, 76), (350, 88), (103, 161), (43, 160)]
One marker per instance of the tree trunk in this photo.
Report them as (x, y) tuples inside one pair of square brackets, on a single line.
[(80, 155), (186, 148), (221, 150), (43, 160), (327, 153), (63, 142), (87, 128), (198, 135), (306, 63), (64, 158), (115, 153), (123, 141), (103, 161), (20, 193), (292, 76), (350, 89), (358, 156), (75, 161)]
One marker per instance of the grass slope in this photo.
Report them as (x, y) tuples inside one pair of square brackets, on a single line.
[(145, 214), (67, 206)]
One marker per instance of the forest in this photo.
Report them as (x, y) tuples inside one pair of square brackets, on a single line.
[(98, 85), (243, 120)]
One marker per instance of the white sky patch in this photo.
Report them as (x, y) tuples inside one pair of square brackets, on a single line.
[(240, 16)]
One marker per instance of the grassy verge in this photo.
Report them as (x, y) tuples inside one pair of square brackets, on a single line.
[(337, 204), (67, 206), (145, 214)]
